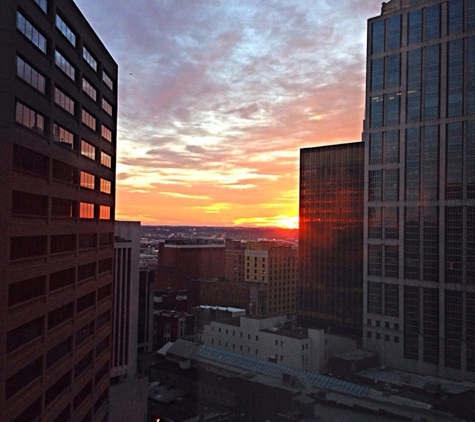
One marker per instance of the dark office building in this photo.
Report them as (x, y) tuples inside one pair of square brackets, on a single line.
[(419, 272), (58, 103), (330, 293)]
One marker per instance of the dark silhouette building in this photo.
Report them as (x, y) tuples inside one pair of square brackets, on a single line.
[(330, 293), (58, 106), (419, 268)]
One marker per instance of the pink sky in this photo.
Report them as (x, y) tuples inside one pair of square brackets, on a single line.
[(216, 98)]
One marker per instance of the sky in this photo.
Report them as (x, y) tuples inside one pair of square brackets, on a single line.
[(216, 98)]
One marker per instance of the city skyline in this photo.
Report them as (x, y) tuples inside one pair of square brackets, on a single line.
[(212, 119)]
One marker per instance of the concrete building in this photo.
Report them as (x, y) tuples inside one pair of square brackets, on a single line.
[(419, 266), (58, 109), (330, 292), (145, 311)]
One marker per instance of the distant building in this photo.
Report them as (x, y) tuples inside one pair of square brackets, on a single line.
[(419, 238), (58, 121), (172, 325), (145, 311), (330, 293)]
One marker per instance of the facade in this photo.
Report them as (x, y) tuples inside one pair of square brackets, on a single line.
[(58, 108), (172, 326), (145, 311), (330, 293), (419, 269)]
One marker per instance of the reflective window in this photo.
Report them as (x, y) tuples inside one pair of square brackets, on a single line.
[(43, 5), (430, 333), (376, 111), (455, 78), (65, 30), (377, 73), (454, 154), (88, 150), (89, 89), (414, 27), (455, 16), (375, 185), (412, 164), (394, 32), (430, 246), (392, 103), (88, 119), (64, 65), (453, 331), (432, 22), (90, 60), (62, 135), (106, 186), (29, 118), (107, 80), (453, 244), (86, 210), (375, 297), (26, 28), (391, 146), (414, 75), (431, 82), (430, 163), (412, 321), (106, 159), (63, 100), (391, 291), (376, 148), (377, 38), (391, 262), (470, 14), (87, 180), (391, 223), (106, 133), (391, 185), (104, 212), (30, 75), (412, 243), (393, 65), (375, 260), (107, 107), (375, 228)]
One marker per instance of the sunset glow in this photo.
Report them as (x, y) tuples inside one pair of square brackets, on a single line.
[(216, 100)]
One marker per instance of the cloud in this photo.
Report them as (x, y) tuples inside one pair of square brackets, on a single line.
[(224, 94)]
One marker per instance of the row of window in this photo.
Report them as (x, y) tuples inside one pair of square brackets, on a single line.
[(422, 25), (41, 42)]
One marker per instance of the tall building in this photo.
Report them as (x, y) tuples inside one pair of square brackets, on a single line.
[(419, 239), (58, 107), (330, 294)]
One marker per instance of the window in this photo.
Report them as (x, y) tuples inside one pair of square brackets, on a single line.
[(430, 325), (453, 330), (104, 292), (63, 243), (431, 81), (374, 298), (30, 75), (58, 352), (394, 32), (87, 180), (412, 243), (377, 73), (60, 315), (376, 111), (88, 150), (414, 85), (57, 388), (29, 118), (432, 22), (63, 136), (86, 271), (62, 279), (31, 413), (82, 395), (375, 260), (455, 78), (104, 212), (27, 246), (27, 160), (106, 186), (23, 377), (392, 103), (88, 119), (415, 27), (83, 333), (65, 208), (43, 5), (65, 173), (88, 57), (105, 265), (64, 65), (24, 334), (107, 107), (65, 30), (106, 133), (106, 239), (89, 89), (87, 240), (106, 159), (393, 70), (26, 290), (454, 157), (24, 203), (27, 29), (86, 210), (455, 16), (107, 80), (64, 101), (377, 36), (411, 322)]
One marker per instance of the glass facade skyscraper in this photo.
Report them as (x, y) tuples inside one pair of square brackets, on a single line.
[(419, 236), (330, 294)]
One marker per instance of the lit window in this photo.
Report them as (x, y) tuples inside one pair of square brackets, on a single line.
[(88, 119), (62, 135), (29, 118), (30, 75), (90, 60), (43, 5), (88, 150), (64, 65), (65, 30), (105, 212), (106, 186), (107, 107), (27, 29), (106, 133), (86, 210), (107, 80), (87, 180)]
